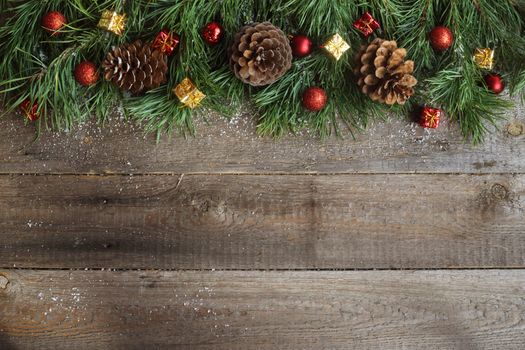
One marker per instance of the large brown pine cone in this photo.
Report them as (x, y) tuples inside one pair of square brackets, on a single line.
[(136, 67), (383, 74), (260, 54)]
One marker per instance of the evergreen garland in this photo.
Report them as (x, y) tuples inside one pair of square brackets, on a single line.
[(38, 66)]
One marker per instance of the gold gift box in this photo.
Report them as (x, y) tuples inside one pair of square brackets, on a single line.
[(112, 22), (188, 93), (336, 46), (484, 58)]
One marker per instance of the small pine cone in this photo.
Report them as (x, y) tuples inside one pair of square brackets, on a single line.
[(383, 74), (136, 67), (261, 54)]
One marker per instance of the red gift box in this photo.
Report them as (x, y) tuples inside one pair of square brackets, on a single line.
[(166, 42), (430, 117), (29, 110), (366, 24)]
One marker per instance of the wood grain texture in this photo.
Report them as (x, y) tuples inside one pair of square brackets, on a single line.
[(464, 310), (262, 222), (396, 146)]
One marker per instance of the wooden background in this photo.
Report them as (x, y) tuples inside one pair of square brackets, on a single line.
[(400, 239)]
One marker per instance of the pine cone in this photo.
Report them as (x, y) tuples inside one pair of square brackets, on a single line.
[(136, 67), (383, 74), (261, 54)]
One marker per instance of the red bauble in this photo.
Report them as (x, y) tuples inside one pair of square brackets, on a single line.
[(29, 110), (441, 38), (301, 45), (495, 83), (212, 33), (86, 73), (314, 99), (53, 22)]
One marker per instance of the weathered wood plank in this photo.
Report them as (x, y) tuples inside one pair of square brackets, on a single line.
[(262, 222), (396, 146), (464, 310)]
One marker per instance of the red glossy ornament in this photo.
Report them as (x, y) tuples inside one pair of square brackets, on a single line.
[(430, 117), (441, 38), (301, 45), (212, 33), (86, 73), (53, 22), (314, 99), (495, 83), (29, 110)]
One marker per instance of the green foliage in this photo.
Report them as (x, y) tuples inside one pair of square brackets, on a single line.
[(40, 67), (451, 80), (458, 90)]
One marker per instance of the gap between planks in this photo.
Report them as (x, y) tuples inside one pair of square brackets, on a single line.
[(152, 174), (436, 269)]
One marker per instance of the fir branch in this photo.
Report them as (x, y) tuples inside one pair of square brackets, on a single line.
[(277, 117), (318, 19), (40, 67), (461, 93), (160, 108), (159, 111), (418, 19), (389, 13), (280, 104)]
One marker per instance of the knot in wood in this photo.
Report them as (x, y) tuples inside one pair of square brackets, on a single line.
[(3, 282), (516, 129), (499, 191)]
